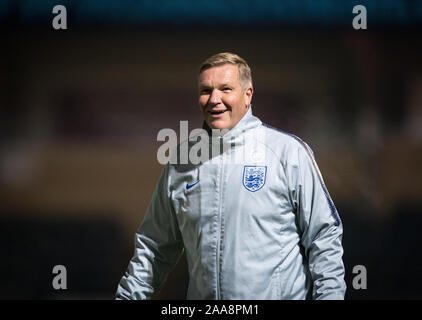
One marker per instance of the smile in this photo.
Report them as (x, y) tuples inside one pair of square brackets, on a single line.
[(217, 112)]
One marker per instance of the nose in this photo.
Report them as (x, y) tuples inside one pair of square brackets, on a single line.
[(215, 97)]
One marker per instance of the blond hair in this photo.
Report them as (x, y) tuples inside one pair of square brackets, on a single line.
[(245, 74)]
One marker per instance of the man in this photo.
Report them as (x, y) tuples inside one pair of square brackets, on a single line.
[(261, 227)]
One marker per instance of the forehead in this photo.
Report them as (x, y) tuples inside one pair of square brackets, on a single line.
[(227, 73)]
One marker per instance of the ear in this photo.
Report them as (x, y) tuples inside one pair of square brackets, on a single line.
[(248, 96)]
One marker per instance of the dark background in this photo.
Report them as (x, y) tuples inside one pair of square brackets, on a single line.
[(80, 110)]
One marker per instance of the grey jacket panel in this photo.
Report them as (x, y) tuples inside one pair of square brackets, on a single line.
[(158, 247), (256, 222)]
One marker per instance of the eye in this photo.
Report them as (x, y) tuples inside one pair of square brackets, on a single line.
[(226, 89), (205, 91)]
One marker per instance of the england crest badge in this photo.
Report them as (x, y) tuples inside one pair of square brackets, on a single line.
[(254, 177)]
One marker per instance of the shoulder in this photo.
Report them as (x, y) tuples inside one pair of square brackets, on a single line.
[(284, 143)]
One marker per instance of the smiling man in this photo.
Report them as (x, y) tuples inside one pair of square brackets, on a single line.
[(225, 91), (262, 227)]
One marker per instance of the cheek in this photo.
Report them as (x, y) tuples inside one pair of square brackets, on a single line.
[(233, 101), (230, 100), (202, 102)]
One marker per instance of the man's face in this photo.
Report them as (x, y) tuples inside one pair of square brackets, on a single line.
[(222, 99)]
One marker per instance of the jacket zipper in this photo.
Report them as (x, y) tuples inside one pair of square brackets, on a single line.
[(219, 228)]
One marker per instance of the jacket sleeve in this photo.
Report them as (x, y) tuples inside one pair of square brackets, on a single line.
[(320, 226), (158, 247)]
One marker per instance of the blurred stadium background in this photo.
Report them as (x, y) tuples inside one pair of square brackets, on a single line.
[(80, 110)]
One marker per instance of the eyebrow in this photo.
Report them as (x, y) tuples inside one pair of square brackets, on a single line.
[(221, 85)]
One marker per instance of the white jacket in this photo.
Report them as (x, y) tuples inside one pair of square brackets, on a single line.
[(256, 222)]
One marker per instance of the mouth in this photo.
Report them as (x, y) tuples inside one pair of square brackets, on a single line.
[(216, 112)]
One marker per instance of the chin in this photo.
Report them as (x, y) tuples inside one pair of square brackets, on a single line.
[(219, 125)]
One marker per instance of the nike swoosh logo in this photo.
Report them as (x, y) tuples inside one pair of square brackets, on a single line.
[(188, 186)]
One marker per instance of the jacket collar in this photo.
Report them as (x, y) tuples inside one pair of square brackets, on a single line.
[(236, 135)]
